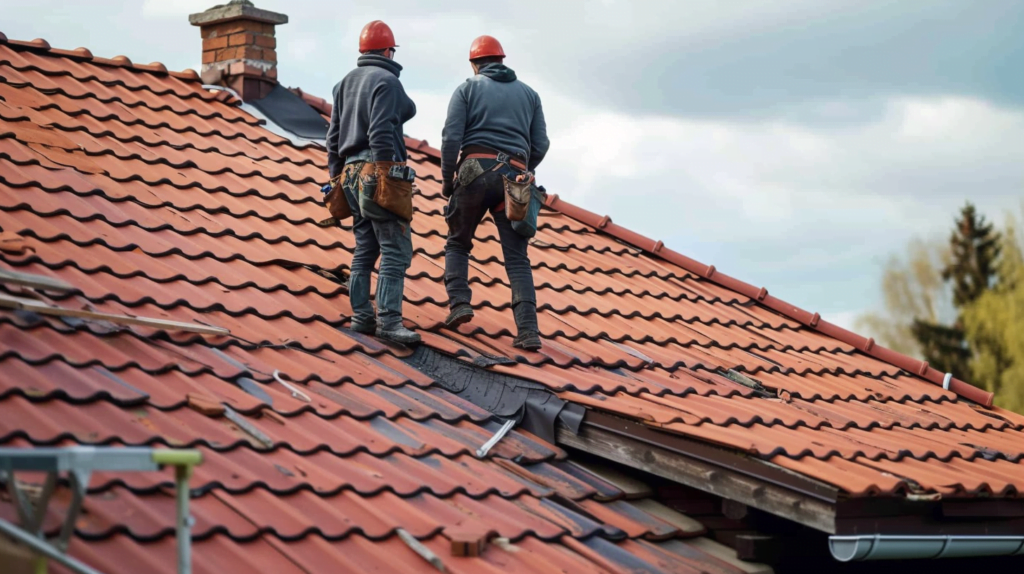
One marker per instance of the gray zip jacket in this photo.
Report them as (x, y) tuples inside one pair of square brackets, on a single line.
[(496, 110), (370, 106)]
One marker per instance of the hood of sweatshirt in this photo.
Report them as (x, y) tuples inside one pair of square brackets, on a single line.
[(379, 62), (498, 72)]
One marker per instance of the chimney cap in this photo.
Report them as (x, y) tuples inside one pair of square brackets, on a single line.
[(236, 10)]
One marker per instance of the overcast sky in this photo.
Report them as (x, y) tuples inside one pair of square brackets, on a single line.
[(793, 144)]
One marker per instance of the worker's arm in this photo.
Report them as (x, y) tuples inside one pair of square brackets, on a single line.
[(451, 139), (385, 117), (539, 142), (334, 162)]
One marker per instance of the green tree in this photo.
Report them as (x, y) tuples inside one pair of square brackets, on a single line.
[(994, 326), (974, 247)]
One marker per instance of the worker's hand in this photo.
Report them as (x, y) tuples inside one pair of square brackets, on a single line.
[(447, 188)]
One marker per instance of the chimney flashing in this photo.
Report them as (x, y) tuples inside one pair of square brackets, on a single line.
[(236, 10)]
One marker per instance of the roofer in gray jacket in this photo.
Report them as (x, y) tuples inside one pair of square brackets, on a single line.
[(497, 124), (364, 141)]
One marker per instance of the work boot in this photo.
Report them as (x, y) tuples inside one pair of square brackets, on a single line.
[(460, 315), (529, 340), (364, 328), (399, 334)]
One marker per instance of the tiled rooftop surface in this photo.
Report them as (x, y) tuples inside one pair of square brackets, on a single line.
[(155, 197)]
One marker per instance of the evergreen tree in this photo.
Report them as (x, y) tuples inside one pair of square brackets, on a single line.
[(975, 247)]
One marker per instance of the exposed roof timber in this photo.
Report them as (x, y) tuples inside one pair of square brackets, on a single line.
[(33, 280), (741, 464), (718, 479), (43, 308), (774, 490)]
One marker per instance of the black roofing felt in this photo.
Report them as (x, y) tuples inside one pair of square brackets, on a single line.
[(291, 113)]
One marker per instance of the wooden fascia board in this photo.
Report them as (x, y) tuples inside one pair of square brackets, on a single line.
[(708, 477)]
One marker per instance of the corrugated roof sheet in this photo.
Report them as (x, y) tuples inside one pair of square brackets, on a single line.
[(155, 197)]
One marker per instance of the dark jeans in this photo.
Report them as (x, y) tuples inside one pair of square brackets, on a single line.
[(379, 233), (466, 209)]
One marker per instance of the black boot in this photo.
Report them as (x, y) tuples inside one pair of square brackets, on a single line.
[(399, 334), (460, 315), (364, 328), (525, 313), (530, 341)]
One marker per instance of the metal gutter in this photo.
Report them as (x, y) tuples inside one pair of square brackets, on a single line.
[(895, 547)]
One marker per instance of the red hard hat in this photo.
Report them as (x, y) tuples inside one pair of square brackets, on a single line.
[(485, 46), (376, 36)]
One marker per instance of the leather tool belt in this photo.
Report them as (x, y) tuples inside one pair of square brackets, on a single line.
[(501, 157)]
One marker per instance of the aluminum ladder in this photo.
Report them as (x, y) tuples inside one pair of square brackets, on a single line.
[(79, 462)]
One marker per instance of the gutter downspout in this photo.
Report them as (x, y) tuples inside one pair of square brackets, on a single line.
[(895, 547)]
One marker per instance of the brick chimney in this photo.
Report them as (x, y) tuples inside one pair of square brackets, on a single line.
[(239, 47)]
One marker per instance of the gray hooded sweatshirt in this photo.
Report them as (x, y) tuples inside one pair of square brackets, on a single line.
[(370, 106), (495, 110)]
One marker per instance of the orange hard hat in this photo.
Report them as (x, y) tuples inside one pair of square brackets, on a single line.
[(485, 46), (376, 36)]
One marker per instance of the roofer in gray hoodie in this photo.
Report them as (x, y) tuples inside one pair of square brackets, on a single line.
[(497, 124), (365, 137)]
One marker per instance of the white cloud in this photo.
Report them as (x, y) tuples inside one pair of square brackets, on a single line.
[(846, 320), (177, 10), (910, 169), (809, 212)]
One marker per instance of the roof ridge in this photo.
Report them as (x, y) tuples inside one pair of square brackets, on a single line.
[(84, 54), (866, 345)]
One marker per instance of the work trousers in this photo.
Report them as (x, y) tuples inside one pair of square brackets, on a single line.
[(379, 234), (465, 211)]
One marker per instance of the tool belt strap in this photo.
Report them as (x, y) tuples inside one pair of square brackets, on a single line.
[(501, 157)]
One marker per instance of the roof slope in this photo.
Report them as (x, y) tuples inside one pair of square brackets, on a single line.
[(638, 330), (155, 197)]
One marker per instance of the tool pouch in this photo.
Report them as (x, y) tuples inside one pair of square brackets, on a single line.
[(517, 197), (527, 226), (394, 188), (335, 199), (469, 171)]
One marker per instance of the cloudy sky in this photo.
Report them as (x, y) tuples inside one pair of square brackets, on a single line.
[(793, 144)]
